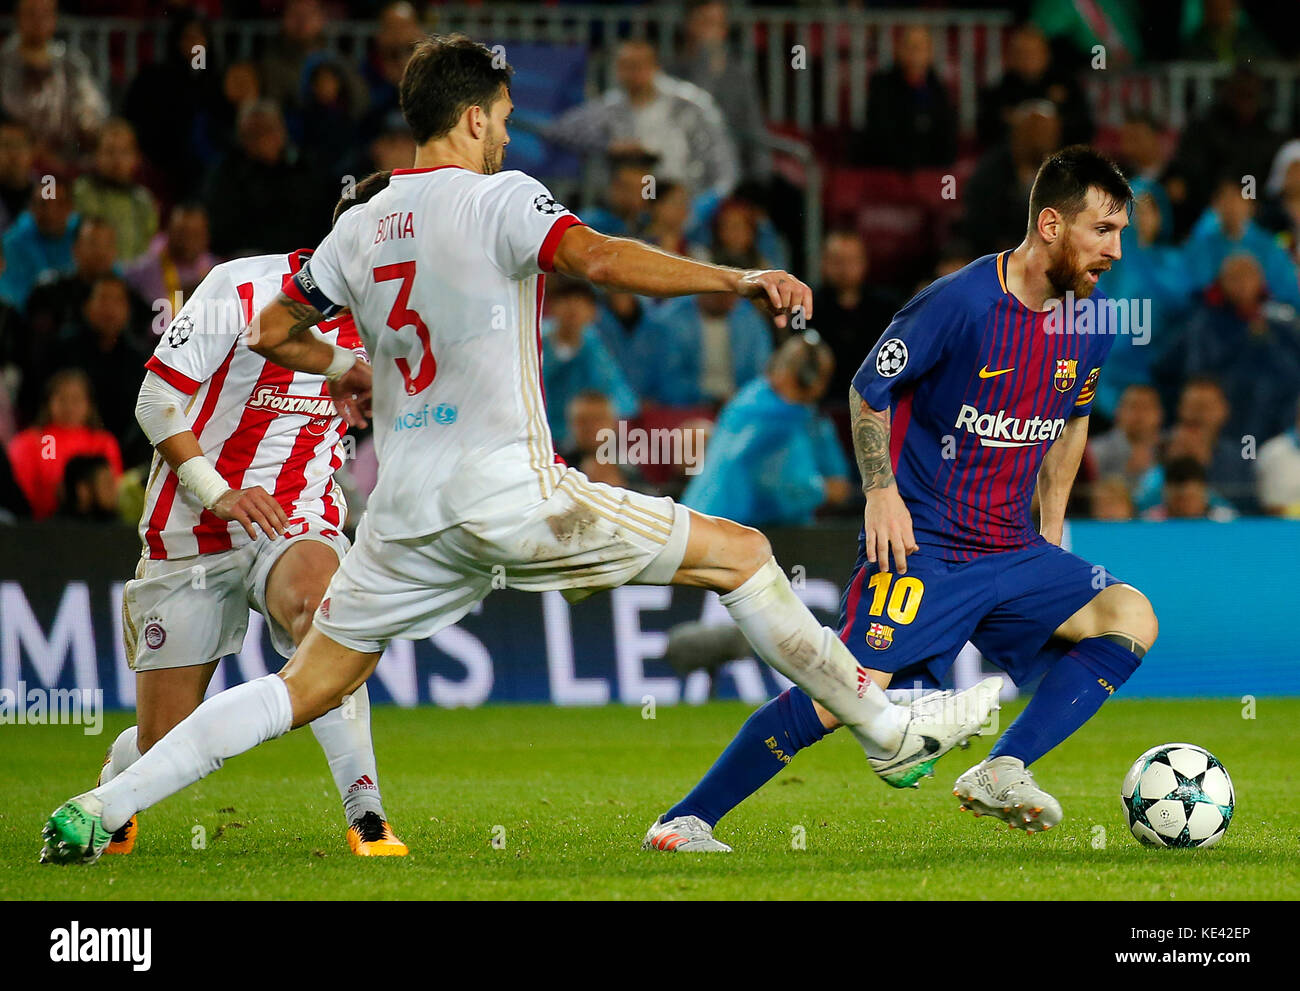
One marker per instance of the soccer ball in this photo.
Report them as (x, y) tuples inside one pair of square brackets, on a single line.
[(1177, 795)]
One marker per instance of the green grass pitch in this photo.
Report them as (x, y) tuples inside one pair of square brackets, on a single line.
[(570, 792)]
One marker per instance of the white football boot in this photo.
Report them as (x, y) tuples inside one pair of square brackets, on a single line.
[(1003, 787), (685, 834), (936, 723)]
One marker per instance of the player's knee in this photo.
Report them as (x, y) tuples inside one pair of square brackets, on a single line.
[(301, 616), (310, 700), (1129, 612), (752, 551)]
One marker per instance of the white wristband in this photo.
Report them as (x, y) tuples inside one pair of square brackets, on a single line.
[(198, 475), (343, 361)]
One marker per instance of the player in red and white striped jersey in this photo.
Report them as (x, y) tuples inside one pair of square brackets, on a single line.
[(259, 424), (241, 510)]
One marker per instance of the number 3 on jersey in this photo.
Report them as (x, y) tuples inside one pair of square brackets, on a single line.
[(401, 316)]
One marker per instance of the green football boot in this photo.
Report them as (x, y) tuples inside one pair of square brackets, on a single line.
[(75, 833)]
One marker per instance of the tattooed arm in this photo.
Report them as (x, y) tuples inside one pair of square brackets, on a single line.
[(281, 333), (870, 443), (886, 521)]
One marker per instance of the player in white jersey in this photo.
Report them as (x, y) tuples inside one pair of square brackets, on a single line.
[(241, 510), (443, 272)]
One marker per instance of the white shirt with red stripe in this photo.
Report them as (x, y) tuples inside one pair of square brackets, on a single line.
[(258, 423), (443, 273)]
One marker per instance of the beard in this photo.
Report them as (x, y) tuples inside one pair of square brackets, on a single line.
[(494, 154), (1065, 274)]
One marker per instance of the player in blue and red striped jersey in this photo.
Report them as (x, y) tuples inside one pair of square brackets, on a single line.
[(978, 392)]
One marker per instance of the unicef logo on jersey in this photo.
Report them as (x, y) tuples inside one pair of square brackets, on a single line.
[(444, 414)]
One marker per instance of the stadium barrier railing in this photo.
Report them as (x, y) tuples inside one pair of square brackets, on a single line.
[(842, 48)]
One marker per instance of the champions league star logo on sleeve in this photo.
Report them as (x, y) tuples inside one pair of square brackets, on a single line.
[(891, 358), (179, 332), (543, 203)]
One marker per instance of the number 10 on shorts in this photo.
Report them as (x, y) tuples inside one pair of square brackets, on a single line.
[(898, 598)]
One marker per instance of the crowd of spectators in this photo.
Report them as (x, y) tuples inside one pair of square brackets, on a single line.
[(113, 207)]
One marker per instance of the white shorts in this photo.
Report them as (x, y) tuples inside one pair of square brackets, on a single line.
[(194, 610), (588, 536)]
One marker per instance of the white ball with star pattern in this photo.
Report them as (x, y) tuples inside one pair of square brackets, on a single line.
[(891, 358), (1178, 795)]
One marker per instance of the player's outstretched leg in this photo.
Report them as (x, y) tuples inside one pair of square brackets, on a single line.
[(1110, 634), (317, 677), (902, 743), (295, 586)]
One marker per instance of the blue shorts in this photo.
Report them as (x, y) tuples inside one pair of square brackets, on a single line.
[(1008, 604)]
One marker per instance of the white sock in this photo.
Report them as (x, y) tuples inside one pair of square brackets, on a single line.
[(788, 637), (224, 726), (121, 755), (344, 735)]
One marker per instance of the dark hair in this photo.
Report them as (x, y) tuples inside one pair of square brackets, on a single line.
[(845, 232), (1145, 118), (17, 123), (1065, 177), (446, 75), (643, 161), (590, 396), (59, 378), (113, 278), (89, 220), (189, 205), (804, 355), (666, 189), (1207, 381), (364, 191), (80, 468), (1180, 471)]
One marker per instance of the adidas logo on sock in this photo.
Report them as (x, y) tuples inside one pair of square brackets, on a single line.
[(363, 783)]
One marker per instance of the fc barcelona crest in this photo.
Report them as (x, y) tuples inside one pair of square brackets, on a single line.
[(880, 636), (1067, 372)]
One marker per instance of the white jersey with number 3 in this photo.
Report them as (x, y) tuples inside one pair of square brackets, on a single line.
[(443, 273)]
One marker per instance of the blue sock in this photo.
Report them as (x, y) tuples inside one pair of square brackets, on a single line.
[(1069, 695), (764, 745)]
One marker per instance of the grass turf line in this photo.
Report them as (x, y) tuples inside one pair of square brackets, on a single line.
[(575, 789)]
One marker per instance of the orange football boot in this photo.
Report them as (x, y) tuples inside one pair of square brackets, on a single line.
[(371, 836)]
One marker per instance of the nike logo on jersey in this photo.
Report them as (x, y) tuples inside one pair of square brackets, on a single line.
[(986, 374)]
